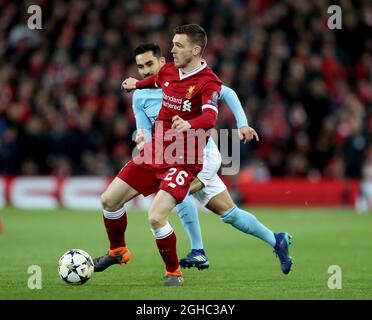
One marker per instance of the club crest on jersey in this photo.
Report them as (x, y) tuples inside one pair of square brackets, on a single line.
[(190, 90), (186, 105)]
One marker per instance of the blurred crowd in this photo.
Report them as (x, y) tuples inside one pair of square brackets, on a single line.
[(306, 89)]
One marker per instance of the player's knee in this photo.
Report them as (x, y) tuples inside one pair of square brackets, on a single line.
[(156, 220), (109, 204), (222, 208), (220, 204)]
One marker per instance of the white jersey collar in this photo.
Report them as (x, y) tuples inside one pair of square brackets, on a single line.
[(192, 72)]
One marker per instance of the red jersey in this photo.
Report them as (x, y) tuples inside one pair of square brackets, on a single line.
[(188, 95)]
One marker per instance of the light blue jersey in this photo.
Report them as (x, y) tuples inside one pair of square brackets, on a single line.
[(146, 107), (147, 104)]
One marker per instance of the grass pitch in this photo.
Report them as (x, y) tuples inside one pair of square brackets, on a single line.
[(242, 267)]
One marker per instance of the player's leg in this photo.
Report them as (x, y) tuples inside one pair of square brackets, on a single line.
[(114, 215), (115, 221), (188, 213), (246, 222), (164, 235), (121, 190), (196, 185), (217, 199), (175, 183), (223, 205)]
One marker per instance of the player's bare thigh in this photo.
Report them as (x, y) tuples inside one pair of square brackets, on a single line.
[(220, 203), (160, 209), (196, 185), (117, 194)]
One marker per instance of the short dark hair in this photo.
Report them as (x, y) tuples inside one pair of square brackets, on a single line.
[(145, 47), (195, 33)]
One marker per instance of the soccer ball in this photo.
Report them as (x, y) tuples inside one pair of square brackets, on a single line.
[(75, 266)]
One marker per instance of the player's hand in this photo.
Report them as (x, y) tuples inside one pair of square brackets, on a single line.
[(247, 133), (129, 84), (140, 138), (180, 124)]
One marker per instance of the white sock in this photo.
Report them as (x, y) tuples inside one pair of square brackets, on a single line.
[(162, 232), (114, 215)]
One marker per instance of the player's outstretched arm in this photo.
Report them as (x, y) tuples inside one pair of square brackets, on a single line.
[(246, 132), (231, 98)]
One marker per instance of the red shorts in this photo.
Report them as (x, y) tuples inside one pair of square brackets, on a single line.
[(147, 180)]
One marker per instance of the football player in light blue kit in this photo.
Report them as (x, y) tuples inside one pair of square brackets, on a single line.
[(208, 188)]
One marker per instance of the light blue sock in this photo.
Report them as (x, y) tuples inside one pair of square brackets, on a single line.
[(190, 220), (248, 223)]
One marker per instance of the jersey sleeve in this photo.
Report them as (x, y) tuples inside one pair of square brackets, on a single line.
[(206, 121), (142, 120), (210, 94), (231, 98), (162, 74), (156, 80), (147, 83)]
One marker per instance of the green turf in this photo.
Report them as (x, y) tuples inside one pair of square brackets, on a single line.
[(242, 267)]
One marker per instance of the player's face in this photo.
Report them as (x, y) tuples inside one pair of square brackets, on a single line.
[(148, 64), (182, 50)]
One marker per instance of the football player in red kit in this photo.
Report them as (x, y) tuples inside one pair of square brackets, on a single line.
[(168, 164)]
